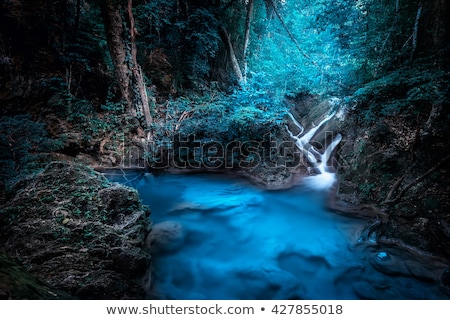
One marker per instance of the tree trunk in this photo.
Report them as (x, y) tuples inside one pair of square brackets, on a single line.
[(120, 33), (247, 25), (415, 31), (234, 62), (247, 35)]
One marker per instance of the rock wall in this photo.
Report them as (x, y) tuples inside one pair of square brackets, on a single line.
[(399, 164)]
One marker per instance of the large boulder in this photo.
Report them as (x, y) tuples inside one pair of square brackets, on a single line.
[(78, 232)]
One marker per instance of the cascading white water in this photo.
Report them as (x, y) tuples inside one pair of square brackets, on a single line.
[(324, 179)]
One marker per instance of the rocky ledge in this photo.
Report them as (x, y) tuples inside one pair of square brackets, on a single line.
[(78, 233)]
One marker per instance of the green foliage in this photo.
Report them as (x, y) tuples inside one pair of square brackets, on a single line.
[(242, 115), (331, 46), (254, 110), (24, 146), (322, 64), (79, 47), (405, 87), (17, 283), (188, 34), (91, 122), (431, 203), (204, 40), (366, 191)]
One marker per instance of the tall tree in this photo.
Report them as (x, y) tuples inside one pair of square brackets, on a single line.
[(247, 34), (121, 35), (234, 62)]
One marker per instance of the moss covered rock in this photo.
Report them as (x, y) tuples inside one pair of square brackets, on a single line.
[(72, 228)]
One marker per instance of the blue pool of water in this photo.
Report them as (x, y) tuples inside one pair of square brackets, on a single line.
[(219, 237)]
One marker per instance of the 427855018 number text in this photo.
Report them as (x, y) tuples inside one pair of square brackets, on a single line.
[(307, 309)]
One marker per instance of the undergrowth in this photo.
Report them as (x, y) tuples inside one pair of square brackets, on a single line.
[(407, 87)]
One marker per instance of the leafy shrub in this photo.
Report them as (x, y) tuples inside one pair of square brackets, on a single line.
[(405, 87), (24, 146)]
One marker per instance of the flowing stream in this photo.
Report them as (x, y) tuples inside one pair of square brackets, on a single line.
[(219, 237)]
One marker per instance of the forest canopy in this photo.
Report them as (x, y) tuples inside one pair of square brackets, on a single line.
[(284, 46), (98, 64)]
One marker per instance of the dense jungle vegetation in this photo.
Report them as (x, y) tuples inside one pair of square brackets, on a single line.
[(122, 83)]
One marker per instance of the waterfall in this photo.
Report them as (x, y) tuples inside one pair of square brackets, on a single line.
[(324, 179)]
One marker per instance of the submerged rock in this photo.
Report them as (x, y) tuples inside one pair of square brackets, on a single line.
[(165, 236), (366, 290), (268, 283)]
